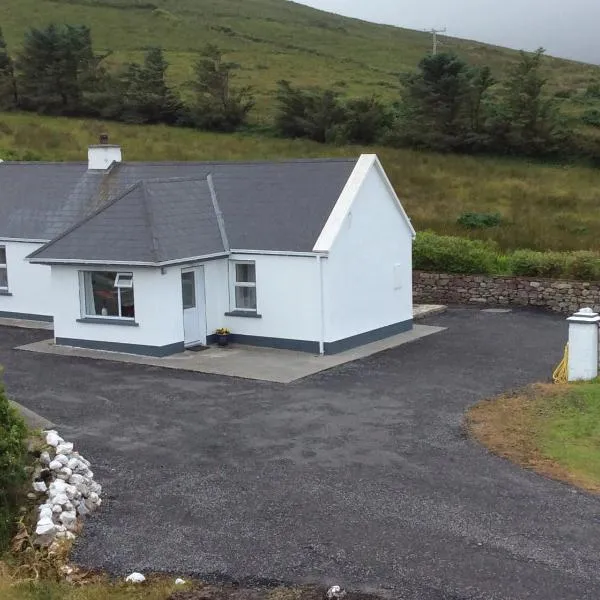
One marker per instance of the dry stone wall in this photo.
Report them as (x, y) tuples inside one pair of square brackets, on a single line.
[(556, 295)]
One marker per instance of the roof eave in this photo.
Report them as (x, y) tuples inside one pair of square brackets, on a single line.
[(127, 263)]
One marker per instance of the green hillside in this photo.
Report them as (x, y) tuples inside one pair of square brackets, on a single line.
[(542, 206), (270, 40)]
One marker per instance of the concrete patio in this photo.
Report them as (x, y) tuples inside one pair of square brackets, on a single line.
[(248, 362)]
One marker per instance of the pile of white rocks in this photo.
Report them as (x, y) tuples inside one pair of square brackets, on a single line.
[(68, 487)]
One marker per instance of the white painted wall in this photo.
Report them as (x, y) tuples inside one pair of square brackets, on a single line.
[(287, 296), (29, 284), (158, 308), (359, 275)]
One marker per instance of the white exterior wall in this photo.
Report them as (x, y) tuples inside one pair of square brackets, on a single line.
[(29, 284), (158, 308), (359, 274), (287, 297)]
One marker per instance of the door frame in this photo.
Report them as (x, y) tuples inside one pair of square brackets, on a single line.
[(200, 291)]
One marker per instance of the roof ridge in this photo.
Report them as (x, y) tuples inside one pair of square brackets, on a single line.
[(150, 221), (218, 213)]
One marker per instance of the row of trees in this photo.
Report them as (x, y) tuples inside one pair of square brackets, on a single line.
[(445, 105), (58, 73)]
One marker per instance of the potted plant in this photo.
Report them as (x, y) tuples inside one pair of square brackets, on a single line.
[(223, 336)]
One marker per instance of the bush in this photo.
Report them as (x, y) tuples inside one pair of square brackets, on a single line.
[(583, 265), (474, 220), (448, 254), (591, 117), (13, 454), (528, 263)]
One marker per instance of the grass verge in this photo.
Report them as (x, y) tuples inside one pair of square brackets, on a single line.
[(551, 429), (154, 588)]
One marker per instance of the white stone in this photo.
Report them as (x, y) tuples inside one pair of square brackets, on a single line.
[(94, 497), (40, 486), (45, 458), (64, 448), (180, 581), (135, 578), (53, 439), (45, 528), (62, 459), (73, 463), (45, 511), (60, 499), (71, 491), (55, 465), (76, 479), (58, 486), (57, 509), (68, 519), (335, 592), (82, 509), (96, 487)]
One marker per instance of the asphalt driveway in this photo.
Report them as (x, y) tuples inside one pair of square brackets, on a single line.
[(360, 475)]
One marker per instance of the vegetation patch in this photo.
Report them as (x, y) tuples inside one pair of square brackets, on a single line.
[(13, 463), (551, 429), (451, 254)]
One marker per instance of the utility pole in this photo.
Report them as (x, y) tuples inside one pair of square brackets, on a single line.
[(434, 33)]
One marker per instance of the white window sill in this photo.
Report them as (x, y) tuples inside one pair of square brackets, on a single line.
[(105, 321)]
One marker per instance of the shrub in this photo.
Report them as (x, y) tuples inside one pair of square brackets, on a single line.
[(583, 265), (591, 117), (474, 220), (448, 254), (13, 433), (528, 263)]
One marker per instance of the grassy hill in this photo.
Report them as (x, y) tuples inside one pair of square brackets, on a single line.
[(543, 206), (270, 39)]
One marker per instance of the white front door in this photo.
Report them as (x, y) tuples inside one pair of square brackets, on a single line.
[(194, 307)]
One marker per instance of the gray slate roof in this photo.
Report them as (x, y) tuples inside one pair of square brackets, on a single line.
[(153, 221), (155, 212)]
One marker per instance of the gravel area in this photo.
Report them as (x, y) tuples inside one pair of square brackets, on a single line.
[(360, 475)]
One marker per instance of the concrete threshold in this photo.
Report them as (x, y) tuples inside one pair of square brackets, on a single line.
[(249, 362)]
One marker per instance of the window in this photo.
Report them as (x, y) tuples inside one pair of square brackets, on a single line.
[(244, 286), (108, 294), (188, 289), (3, 269)]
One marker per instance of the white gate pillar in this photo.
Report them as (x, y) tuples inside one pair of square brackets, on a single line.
[(583, 345)]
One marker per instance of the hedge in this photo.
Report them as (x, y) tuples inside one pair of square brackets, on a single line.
[(450, 254), (13, 459)]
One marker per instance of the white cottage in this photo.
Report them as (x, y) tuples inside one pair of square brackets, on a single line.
[(150, 258)]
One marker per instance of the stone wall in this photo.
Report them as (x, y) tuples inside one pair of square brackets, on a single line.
[(554, 294)]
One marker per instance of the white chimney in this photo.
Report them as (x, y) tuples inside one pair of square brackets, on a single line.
[(101, 156)]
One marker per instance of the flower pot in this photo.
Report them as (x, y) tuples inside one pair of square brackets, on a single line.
[(222, 339)]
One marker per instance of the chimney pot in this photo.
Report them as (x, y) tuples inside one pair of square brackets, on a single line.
[(104, 138)]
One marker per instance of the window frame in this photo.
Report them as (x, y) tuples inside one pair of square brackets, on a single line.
[(234, 284), (4, 266), (85, 280)]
